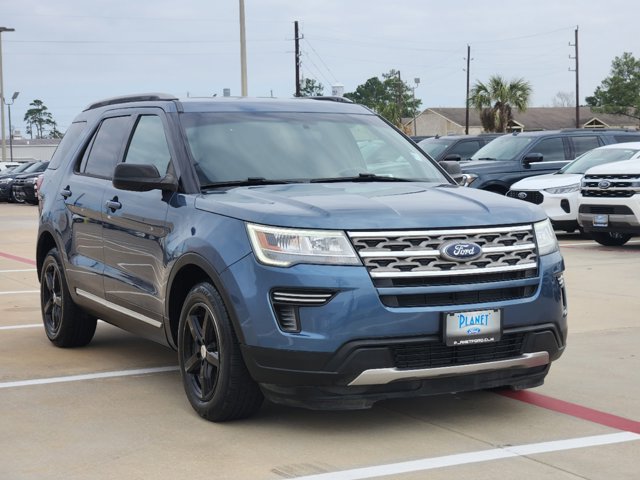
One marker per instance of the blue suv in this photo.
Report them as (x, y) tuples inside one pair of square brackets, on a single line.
[(301, 250)]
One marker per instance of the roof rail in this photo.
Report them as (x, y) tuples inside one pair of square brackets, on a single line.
[(331, 98), (140, 97)]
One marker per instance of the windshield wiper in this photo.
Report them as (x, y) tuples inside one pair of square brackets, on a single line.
[(361, 177), (248, 182)]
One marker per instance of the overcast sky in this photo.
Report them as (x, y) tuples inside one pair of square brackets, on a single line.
[(69, 53)]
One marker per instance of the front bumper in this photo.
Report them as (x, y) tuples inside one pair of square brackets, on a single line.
[(623, 214), (346, 353)]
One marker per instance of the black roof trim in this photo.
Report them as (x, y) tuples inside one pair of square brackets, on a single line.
[(141, 97)]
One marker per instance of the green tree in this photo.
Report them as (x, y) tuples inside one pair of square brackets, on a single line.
[(496, 100), (620, 91), (311, 88), (39, 118), (390, 97)]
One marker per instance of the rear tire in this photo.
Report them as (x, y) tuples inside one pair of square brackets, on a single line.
[(65, 324), (215, 378), (611, 239)]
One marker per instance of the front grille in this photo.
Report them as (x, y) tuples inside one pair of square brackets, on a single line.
[(611, 186), (407, 259), (527, 196), (606, 209), (458, 297), (433, 355)]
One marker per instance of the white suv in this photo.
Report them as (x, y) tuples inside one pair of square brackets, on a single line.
[(609, 205), (558, 192)]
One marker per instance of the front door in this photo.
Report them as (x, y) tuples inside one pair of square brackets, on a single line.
[(134, 232)]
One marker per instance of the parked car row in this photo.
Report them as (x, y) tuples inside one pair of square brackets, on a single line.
[(19, 184), (599, 193)]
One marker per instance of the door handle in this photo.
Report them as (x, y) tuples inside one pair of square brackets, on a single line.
[(113, 205), (66, 192)]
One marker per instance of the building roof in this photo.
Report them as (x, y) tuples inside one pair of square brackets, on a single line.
[(41, 142), (543, 118)]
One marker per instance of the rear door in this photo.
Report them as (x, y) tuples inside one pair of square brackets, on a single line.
[(82, 191), (135, 229)]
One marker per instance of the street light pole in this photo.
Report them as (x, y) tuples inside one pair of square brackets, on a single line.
[(415, 127), (243, 52), (4, 138), (13, 99)]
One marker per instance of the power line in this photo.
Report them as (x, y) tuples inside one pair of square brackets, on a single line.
[(321, 60)]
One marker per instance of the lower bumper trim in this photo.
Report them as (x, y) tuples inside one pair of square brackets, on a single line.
[(383, 376)]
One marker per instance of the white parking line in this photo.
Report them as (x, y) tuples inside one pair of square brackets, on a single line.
[(16, 327), (475, 457), (88, 376), (19, 292), (18, 271)]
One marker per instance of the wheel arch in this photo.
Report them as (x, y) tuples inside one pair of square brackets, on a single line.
[(187, 272), (46, 242)]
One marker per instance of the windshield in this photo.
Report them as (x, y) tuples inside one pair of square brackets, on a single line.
[(36, 167), (435, 147), (598, 157), (280, 146), (507, 147), (21, 168)]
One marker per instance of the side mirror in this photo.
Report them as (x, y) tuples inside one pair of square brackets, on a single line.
[(532, 158), (452, 168), (452, 156), (142, 178)]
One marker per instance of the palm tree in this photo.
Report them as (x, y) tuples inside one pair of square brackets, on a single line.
[(495, 100)]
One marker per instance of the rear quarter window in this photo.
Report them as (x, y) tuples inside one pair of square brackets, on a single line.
[(626, 138), (67, 144)]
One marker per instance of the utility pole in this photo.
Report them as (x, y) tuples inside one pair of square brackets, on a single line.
[(243, 52), (466, 110), (4, 138), (297, 38), (575, 57)]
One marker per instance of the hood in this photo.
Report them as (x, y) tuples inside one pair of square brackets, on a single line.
[(540, 182), (626, 166), (361, 206)]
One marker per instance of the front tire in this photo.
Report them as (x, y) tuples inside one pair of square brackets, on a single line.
[(610, 239), (215, 378), (65, 324)]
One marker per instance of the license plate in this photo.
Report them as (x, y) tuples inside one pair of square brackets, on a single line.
[(601, 220), (468, 328)]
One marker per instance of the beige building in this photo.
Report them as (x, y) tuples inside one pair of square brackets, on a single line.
[(28, 150), (451, 121)]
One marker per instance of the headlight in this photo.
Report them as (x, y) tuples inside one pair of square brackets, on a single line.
[(546, 237), (568, 189), (283, 247), (468, 179)]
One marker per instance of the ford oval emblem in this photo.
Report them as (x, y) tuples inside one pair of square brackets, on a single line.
[(459, 251), (604, 184), (522, 195), (473, 331)]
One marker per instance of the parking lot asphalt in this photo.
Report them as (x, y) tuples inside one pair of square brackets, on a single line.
[(116, 408)]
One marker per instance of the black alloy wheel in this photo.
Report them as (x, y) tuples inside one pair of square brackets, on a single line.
[(215, 377), (200, 354), (65, 324)]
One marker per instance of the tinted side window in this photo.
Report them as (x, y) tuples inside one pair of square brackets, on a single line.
[(584, 144), (104, 151), (149, 144), (66, 144), (466, 149), (626, 138), (552, 149)]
